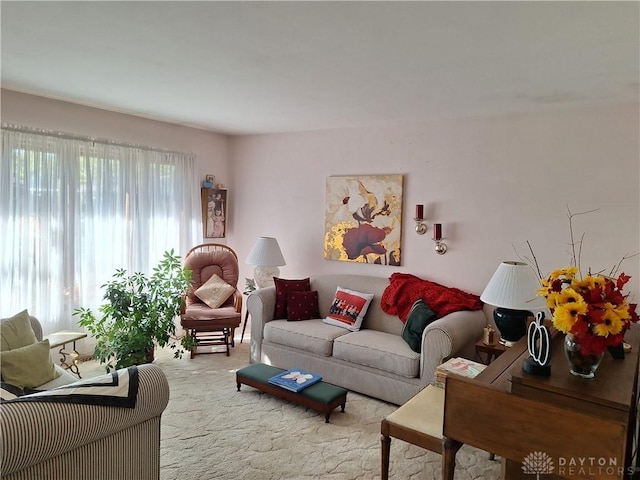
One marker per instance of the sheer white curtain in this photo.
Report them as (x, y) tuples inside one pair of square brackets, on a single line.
[(73, 210)]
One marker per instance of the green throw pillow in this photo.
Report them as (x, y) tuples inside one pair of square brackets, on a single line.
[(16, 332), (28, 367), (419, 317)]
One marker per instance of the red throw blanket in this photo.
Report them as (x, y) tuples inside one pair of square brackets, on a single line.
[(404, 289)]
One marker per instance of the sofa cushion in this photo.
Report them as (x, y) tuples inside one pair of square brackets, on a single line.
[(283, 287), (28, 367), (380, 350), (16, 332), (348, 309), (419, 317), (311, 336), (215, 291), (302, 306), (63, 378)]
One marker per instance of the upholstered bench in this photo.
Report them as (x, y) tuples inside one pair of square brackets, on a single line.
[(418, 422), (322, 397)]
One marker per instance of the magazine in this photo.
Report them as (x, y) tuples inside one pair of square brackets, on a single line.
[(461, 366), (295, 379)]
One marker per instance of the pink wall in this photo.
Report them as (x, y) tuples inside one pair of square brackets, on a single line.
[(493, 183), (211, 149)]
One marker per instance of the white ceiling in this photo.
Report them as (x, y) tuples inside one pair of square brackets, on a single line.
[(263, 67)]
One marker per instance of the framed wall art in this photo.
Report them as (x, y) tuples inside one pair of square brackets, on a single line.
[(214, 212), (363, 219)]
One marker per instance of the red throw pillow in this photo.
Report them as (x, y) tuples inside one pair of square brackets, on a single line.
[(302, 306), (283, 287)]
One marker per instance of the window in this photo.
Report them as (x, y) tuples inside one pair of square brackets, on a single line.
[(73, 210)]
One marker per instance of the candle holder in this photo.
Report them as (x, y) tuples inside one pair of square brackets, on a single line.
[(421, 227), (441, 248)]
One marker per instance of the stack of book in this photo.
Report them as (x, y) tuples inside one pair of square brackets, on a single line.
[(458, 365), (295, 379)]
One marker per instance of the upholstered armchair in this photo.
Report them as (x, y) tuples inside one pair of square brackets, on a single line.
[(78, 441), (213, 306)]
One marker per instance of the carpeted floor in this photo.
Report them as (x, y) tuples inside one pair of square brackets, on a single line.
[(212, 431)]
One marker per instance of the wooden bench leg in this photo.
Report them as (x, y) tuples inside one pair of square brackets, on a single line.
[(385, 443), (449, 449)]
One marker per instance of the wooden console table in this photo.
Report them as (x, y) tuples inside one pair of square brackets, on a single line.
[(582, 428)]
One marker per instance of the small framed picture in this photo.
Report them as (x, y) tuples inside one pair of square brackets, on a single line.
[(211, 178), (214, 212)]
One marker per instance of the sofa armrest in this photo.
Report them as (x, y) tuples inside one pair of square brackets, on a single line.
[(260, 305), (34, 432), (452, 335)]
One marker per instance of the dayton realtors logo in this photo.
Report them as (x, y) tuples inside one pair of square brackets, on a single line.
[(540, 463), (537, 463)]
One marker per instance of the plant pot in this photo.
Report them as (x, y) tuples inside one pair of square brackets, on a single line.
[(583, 366), (150, 355)]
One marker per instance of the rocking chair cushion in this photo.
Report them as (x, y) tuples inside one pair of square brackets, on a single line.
[(214, 292)]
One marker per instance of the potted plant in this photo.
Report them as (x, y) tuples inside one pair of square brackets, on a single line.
[(139, 312)]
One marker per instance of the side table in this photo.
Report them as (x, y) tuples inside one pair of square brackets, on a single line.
[(491, 352), (60, 339), (246, 315)]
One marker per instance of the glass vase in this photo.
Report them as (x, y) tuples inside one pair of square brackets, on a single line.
[(581, 365)]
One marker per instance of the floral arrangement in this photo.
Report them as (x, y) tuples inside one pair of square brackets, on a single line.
[(593, 309)]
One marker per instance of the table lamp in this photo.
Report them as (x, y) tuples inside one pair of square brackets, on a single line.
[(267, 257), (512, 290)]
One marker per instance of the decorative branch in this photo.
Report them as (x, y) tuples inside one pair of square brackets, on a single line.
[(575, 259), (528, 261), (535, 260), (576, 255), (615, 268)]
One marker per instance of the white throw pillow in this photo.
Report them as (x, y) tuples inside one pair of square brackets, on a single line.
[(215, 291), (348, 309)]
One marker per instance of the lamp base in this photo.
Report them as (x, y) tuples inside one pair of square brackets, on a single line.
[(264, 276), (507, 343), (511, 323)]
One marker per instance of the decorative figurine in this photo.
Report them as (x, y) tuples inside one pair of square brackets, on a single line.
[(539, 345)]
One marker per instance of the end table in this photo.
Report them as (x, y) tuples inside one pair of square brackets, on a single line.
[(60, 339), (246, 314), (491, 352)]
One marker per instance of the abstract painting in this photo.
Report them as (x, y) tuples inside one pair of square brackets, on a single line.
[(363, 219)]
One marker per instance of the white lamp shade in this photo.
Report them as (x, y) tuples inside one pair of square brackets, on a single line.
[(266, 253), (513, 286)]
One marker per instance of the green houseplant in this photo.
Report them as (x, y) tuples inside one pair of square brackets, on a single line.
[(139, 312)]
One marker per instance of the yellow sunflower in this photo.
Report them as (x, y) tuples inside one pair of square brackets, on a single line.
[(552, 299), (568, 272), (566, 315), (612, 322), (583, 285), (595, 281), (569, 295)]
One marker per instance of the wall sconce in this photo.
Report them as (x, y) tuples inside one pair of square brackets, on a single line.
[(441, 248), (421, 227)]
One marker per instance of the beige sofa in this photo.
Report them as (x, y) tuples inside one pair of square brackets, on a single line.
[(77, 441), (375, 361)]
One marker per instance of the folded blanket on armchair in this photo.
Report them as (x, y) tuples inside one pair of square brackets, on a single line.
[(404, 289), (115, 389)]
